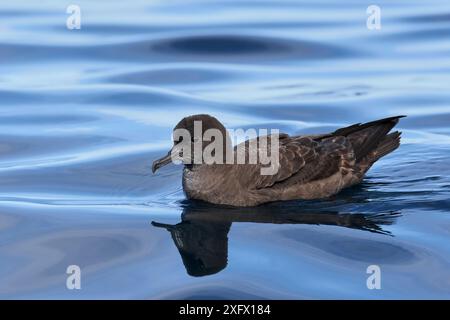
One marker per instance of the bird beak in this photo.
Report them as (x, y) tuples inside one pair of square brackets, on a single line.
[(161, 162), (168, 227)]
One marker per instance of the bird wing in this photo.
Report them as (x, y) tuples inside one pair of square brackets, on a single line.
[(333, 155), (301, 159)]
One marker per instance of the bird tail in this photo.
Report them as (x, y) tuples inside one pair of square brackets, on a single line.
[(372, 138), (387, 145)]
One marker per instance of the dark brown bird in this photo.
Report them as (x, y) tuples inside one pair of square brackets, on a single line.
[(310, 167)]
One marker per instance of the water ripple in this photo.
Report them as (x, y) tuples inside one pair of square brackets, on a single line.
[(85, 112)]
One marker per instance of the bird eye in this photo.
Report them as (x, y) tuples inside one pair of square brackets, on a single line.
[(180, 139)]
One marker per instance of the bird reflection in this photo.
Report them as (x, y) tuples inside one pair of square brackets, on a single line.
[(202, 235)]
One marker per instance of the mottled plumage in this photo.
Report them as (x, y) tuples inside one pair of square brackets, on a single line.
[(311, 167)]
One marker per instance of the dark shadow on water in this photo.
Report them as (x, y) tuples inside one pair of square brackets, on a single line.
[(245, 45), (219, 45), (202, 235)]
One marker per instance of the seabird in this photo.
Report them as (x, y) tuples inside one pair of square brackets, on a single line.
[(310, 166)]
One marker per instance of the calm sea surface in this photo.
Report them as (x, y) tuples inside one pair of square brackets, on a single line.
[(83, 113)]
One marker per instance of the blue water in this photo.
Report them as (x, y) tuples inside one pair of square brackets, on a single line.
[(85, 112)]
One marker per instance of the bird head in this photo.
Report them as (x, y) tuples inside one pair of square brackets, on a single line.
[(191, 137)]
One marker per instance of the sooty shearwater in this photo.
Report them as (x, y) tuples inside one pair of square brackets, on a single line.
[(309, 166)]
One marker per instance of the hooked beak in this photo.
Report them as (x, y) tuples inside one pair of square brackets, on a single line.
[(161, 162), (175, 154)]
